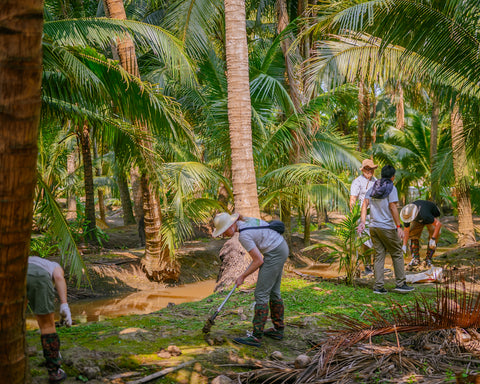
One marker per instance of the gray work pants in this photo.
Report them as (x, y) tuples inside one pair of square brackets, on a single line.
[(387, 240), (270, 275)]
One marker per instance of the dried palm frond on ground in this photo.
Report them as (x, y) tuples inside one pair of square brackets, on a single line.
[(425, 357), (444, 338)]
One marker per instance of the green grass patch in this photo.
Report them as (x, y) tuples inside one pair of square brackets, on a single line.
[(134, 342)]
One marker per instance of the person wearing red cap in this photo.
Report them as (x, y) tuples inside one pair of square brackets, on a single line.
[(358, 190)]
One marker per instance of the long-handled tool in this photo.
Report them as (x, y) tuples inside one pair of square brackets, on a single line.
[(211, 320)]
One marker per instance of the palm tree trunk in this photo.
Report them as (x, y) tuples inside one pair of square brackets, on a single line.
[(293, 82), (286, 216), (466, 233), (434, 185), (362, 114), (89, 187), (122, 183), (239, 110), (137, 193), (308, 221), (157, 263), (71, 203), (369, 105), (21, 27), (100, 194), (400, 109)]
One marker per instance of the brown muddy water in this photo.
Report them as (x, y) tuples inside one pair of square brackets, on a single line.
[(137, 303)]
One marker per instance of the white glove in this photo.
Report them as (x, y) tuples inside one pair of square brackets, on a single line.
[(65, 314), (404, 249), (432, 243), (360, 228)]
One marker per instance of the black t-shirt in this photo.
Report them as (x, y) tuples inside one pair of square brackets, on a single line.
[(427, 213)]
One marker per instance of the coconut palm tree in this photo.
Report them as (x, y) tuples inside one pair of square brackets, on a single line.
[(20, 80), (239, 110), (431, 53), (158, 40)]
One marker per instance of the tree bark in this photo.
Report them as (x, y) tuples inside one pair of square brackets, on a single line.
[(235, 261), (100, 194), (434, 185), (89, 187), (363, 113), (71, 203), (239, 110), (306, 230), (122, 183), (157, 263), (137, 192), (400, 109), (292, 80), (466, 233), (21, 26)]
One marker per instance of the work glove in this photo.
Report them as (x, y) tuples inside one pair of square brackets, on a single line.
[(432, 244), (65, 314), (360, 228), (404, 249)]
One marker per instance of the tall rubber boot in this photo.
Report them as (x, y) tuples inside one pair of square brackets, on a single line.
[(429, 257), (415, 251), (276, 313), (259, 320), (51, 352)]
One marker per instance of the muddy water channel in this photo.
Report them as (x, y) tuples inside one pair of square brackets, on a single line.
[(137, 303)]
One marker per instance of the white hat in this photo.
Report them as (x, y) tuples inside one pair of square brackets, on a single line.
[(409, 213), (222, 222)]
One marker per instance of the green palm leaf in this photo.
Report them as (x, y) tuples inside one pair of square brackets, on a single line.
[(60, 231)]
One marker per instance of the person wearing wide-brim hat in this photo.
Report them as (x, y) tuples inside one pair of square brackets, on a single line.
[(358, 190), (268, 251), (415, 217)]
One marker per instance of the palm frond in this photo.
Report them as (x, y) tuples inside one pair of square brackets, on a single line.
[(60, 230), (102, 31)]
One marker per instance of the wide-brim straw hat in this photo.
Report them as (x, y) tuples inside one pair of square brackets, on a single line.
[(408, 213), (222, 222), (367, 163)]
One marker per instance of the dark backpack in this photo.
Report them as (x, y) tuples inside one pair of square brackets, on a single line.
[(276, 225)]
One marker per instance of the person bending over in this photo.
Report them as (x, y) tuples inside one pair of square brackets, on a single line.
[(268, 251), (416, 216), (42, 274)]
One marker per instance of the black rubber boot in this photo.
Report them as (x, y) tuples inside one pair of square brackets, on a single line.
[(51, 352)]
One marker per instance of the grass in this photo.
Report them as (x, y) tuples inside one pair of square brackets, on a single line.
[(306, 303)]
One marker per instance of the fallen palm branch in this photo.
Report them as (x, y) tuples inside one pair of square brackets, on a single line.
[(443, 331)]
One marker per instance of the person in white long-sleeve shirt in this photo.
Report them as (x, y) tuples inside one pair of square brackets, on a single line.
[(43, 277), (358, 190)]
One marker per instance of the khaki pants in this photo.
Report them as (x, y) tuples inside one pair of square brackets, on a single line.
[(417, 228), (387, 240)]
